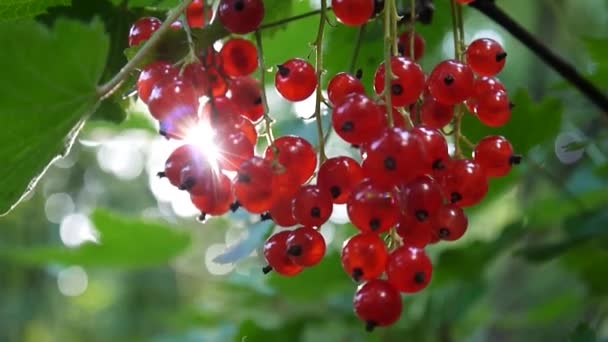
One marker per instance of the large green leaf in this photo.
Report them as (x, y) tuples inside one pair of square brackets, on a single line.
[(19, 9), (46, 90), (123, 242)]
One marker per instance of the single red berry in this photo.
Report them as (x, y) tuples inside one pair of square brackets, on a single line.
[(282, 211), (421, 198), (464, 182), (198, 177), (297, 159), (312, 206), (241, 16), (353, 12), (435, 114), (275, 252), (357, 119), (198, 75), (486, 57), (405, 47), (247, 97), (179, 158), (364, 256), (142, 30), (372, 208), (253, 186), (434, 148), (296, 80), (449, 223), (494, 109), (218, 201), (495, 156), (198, 14), (413, 232), (173, 99), (378, 304), (152, 74), (239, 57), (306, 246), (408, 84), (341, 86), (409, 269), (481, 87), (234, 149), (451, 82), (339, 176)]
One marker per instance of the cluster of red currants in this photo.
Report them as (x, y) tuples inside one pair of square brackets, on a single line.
[(407, 186)]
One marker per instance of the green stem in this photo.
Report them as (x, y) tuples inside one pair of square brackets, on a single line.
[(319, 68), (389, 8), (413, 27), (290, 19), (458, 28), (106, 89), (357, 49), (267, 119)]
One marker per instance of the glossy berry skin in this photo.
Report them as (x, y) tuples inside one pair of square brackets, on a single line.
[(142, 30), (481, 87), (235, 149), (236, 123), (372, 208), (198, 76), (198, 14), (464, 182), (449, 223), (253, 186), (435, 114), (358, 120), (282, 211), (494, 109), (414, 233), (421, 198), (152, 74), (409, 269), (306, 246), (353, 12), (247, 97), (172, 100), (297, 158), (312, 206), (339, 176), (218, 201), (241, 16), (180, 158), (342, 85), (451, 82), (486, 57), (364, 256), (275, 253), (393, 158), (239, 57), (218, 83), (377, 303), (408, 84), (296, 80), (404, 45), (495, 156), (434, 148), (197, 177)]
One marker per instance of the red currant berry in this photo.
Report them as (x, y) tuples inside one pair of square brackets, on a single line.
[(494, 109), (142, 30), (358, 120), (364, 257), (198, 14), (408, 84), (421, 198), (486, 57), (339, 176), (495, 156), (353, 12), (464, 182), (282, 211), (173, 99), (312, 206), (179, 158), (253, 187), (451, 82), (152, 74), (409, 269), (198, 177), (218, 201), (235, 149), (434, 147), (450, 223), (413, 232), (483, 86), (297, 158), (405, 47), (296, 80), (197, 74), (247, 97), (435, 114), (341, 86), (371, 208), (275, 252), (241, 16), (306, 247), (378, 304), (220, 113), (239, 57)]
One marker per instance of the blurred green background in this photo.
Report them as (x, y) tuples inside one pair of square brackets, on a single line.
[(103, 250)]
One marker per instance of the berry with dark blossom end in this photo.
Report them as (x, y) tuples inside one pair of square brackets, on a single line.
[(495, 155), (296, 80), (378, 304), (364, 256), (341, 86), (275, 253), (312, 206), (339, 176), (408, 84), (372, 208), (241, 16), (464, 182), (306, 246), (449, 223), (405, 47), (253, 185), (218, 201), (409, 269), (358, 119), (451, 82), (486, 57)]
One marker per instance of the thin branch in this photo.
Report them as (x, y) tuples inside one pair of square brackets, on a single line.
[(562, 67), (267, 119), (290, 19), (357, 48), (319, 69)]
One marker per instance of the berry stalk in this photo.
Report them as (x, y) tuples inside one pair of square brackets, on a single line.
[(267, 119), (319, 69), (389, 42), (458, 31)]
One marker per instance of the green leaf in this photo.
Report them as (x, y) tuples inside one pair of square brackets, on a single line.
[(46, 91), (531, 124), (20, 9), (583, 333), (123, 242), (158, 5)]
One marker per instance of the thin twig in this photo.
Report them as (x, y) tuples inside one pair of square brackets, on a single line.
[(357, 49), (319, 69), (267, 119)]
